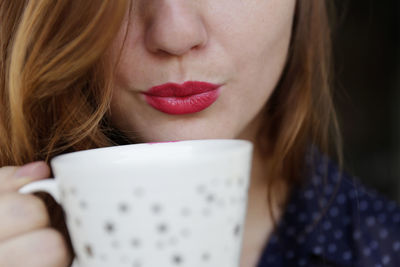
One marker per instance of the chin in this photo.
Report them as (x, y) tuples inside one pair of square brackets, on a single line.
[(165, 129), (193, 135)]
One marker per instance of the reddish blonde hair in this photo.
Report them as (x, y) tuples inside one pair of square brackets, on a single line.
[(301, 113), (56, 89)]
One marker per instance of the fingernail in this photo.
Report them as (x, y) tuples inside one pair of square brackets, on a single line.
[(30, 170)]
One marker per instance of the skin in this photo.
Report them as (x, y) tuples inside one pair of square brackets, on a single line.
[(242, 45), (26, 238)]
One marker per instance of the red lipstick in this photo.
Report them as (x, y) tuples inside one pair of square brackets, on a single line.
[(177, 99)]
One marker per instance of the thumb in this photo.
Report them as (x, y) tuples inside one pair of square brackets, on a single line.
[(12, 177), (34, 170)]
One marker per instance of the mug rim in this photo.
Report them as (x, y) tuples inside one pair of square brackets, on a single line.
[(236, 145)]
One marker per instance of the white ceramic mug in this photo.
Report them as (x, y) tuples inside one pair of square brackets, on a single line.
[(149, 205)]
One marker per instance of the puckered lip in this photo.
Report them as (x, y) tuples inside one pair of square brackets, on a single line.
[(188, 88)]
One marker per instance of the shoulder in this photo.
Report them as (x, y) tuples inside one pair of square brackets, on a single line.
[(362, 227), (333, 220)]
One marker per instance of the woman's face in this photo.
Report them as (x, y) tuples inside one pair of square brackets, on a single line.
[(239, 45)]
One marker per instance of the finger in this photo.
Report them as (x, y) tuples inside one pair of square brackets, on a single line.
[(37, 169), (12, 178), (7, 171), (40, 248), (21, 214)]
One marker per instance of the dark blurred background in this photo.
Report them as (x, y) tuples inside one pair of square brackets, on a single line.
[(366, 55)]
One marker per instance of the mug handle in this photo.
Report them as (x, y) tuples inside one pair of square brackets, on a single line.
[(48, 186)]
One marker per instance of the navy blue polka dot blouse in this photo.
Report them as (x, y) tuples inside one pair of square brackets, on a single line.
[(333, 221)]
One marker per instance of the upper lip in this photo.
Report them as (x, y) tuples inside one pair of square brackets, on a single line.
[(181, 90)]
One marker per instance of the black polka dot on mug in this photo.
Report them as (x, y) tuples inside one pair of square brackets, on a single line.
[(123, 207), (135, 242), (177, 259), (109, 227)]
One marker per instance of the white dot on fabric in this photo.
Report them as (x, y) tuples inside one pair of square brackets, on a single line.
[(315, 215), (328, 189), (363, 205), (290, 231), (374, 244), (341, 198), (396, 246), (301, 240), (347, 256), (346, 220), (396, 217), (317, 250), (382, 218), (322, 168), (309, 194), (302, 262), (367, 251), (327, 225), (334, 211), (316, 180), (383, 233), (357, 234), (391, 206), (273, 239), (270, 259), (386, 259), (290, 254), (302, 217), (309, 229), (352, 194), (361, 192), (336, 177), (370, 221), (321, 239), (332, 248), (338, 234)]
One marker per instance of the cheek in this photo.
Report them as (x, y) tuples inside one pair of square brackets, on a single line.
[(254, 31), (259, 62), (259, 55)]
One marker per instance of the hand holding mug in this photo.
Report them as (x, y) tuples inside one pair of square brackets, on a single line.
[(26, 238)]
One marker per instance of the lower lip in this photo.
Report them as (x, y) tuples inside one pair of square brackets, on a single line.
[(183, 105)]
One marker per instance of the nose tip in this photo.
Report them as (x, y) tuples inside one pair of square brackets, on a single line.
[(175, 30), (174, 41)]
